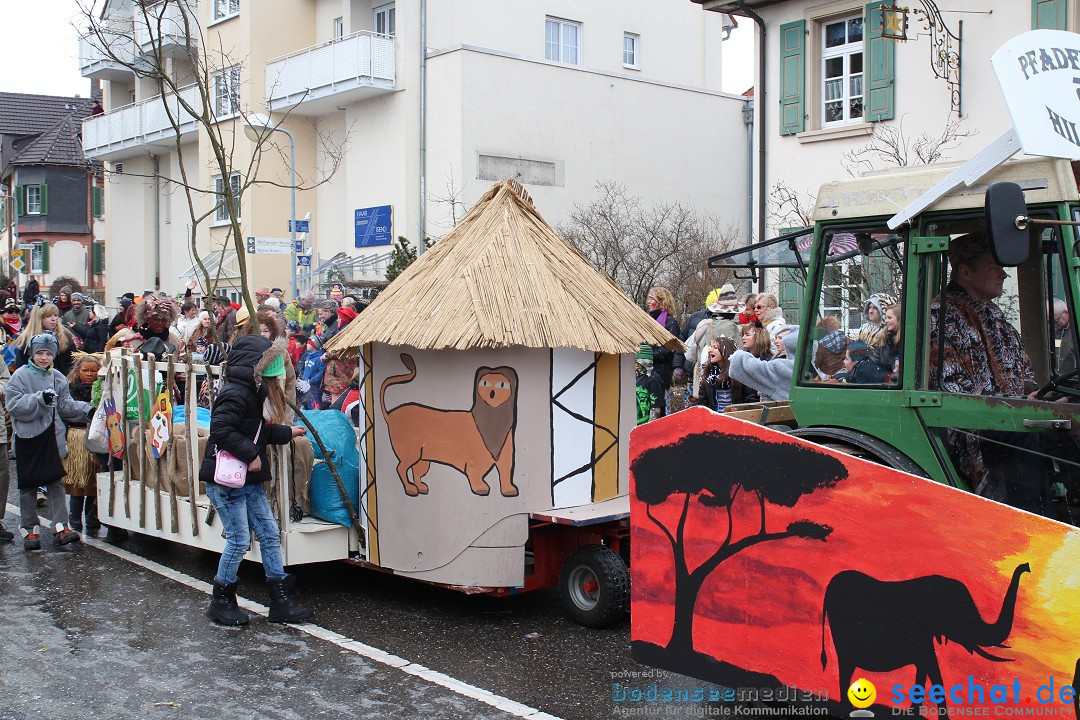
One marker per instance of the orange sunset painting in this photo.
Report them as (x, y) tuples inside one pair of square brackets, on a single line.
[(763, 561)]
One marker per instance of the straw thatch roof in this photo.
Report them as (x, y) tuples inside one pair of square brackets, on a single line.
[(503, 278)]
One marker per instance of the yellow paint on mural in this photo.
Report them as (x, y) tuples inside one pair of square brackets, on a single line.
[(606, 430), (369, 488)]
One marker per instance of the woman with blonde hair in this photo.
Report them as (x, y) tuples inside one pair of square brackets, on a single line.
[(45, 319), (755, 340), (202, 336), (661, 304)]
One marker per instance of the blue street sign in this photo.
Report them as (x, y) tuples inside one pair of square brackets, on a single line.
[(374, 226), (303, 261), (302, 226), (299, 247)]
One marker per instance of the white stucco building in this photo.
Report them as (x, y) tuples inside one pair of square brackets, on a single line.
[(559, 95)]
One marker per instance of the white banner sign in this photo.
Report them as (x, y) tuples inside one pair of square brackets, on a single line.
[(270, 245), (1039, 73)]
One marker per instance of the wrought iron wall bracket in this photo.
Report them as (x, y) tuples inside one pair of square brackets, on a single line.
[(945, 45)]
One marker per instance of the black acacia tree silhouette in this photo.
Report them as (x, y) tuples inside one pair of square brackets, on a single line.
[(714, 468)]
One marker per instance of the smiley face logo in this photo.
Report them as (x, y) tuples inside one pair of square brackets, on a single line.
[(862, 693)]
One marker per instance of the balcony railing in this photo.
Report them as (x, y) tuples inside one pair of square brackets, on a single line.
[(127, 131), (315, 79), (117, 64), (167, 22)]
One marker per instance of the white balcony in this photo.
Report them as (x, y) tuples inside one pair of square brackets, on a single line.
[(116, 63), (166, 24), (131, 130), (315, 80)]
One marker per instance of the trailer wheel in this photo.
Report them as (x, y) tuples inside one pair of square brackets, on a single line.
[(595, 586)]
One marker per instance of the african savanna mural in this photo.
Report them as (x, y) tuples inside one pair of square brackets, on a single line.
[(760, 560)]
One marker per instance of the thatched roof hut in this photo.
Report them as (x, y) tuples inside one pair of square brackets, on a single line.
[(503, 278)]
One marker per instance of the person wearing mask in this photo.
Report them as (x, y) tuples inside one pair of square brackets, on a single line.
[(11, 320), (248, 414)]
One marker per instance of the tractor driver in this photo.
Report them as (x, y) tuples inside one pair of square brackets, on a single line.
[(984, 355)]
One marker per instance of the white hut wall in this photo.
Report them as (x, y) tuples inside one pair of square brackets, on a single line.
[(457, 458)]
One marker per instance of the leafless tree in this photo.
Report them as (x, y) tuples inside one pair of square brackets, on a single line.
[(197, 84), (451, 201), (641, 245), (789, 208), (890, 146)]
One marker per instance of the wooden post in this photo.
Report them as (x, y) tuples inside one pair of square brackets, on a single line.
[(110, 376), (191, 410), (127, 434), (171, 446), (151, 460), (141, 440)]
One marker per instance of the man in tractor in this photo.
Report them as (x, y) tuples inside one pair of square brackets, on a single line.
[(983, 354)]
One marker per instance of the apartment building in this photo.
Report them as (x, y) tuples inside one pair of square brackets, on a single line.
[(51, 209), (558, 94)]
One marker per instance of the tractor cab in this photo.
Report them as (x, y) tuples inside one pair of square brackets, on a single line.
[(931, 402)]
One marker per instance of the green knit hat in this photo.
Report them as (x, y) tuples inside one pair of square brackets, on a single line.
[(644, 352), (276, 368)]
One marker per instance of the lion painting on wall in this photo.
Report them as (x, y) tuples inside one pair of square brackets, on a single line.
[(470, 441)]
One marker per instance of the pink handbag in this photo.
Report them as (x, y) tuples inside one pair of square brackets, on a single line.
[(230, 470)]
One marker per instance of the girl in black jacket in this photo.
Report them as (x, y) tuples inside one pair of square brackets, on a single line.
[(249, 414)]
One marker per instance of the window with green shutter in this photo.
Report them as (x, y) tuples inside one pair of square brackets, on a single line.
[(20, 200), (39, 257), (98, 258), (881, 66), (1050, 14), (44, 190), (97, 201), (792, 77)]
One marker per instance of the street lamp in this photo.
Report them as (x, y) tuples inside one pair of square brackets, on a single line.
[(257, 127)]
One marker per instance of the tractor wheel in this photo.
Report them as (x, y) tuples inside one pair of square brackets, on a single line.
[(595, 586)]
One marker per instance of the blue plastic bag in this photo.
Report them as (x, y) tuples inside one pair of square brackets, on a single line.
[(202, 416), (339, 437)]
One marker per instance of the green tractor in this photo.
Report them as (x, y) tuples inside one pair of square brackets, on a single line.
[(860, 245)]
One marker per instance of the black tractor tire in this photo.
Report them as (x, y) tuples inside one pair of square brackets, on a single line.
[(595, 586)]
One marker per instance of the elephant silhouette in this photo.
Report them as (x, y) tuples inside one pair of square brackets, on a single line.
[(880, 626)]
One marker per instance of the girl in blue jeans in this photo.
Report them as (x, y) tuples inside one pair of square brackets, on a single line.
[(248, 415)]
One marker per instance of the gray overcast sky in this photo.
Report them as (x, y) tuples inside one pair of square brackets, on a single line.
[(39, 50)]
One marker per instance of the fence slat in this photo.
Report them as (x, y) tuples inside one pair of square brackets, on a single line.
[(126, 427), (171, 446), (141, 440), (191, 411)]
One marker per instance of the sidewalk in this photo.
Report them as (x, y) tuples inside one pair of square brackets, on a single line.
[(85, 634)]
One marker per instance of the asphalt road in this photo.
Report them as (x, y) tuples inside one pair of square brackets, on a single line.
[(87, 634)]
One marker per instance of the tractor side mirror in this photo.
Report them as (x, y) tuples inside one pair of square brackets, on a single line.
[(1006, 224)]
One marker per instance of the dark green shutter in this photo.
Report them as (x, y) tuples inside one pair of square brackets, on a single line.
[(44, 256), (20, 200), (792, 77), (1050, 14), (44, 199), (791, 293), (97, 201), (98, 261), (880, 63)]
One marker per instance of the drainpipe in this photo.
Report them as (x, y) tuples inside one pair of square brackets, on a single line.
[(759, 101), (423, 127), (157, 222), (748, 120)]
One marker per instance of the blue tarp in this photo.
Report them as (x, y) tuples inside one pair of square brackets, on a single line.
[(339, 437), (202, 416)]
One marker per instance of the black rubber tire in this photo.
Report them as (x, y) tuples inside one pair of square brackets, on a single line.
[(610, 599)]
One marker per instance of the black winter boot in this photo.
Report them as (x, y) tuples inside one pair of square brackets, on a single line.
[(283, 605), (223, 609)]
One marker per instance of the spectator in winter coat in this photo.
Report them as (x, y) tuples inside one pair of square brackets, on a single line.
[(339, 371), (771, 378), (302, 310), (96, 333), (188, 320), (30, 292), (719, 323), (45, 319), (121, 319), (78, 317), (38, 400), (747, 315), (717, 389), (224, 318), (312, 367), (662, 309), (873, 330), (63, 300), (248, 415)]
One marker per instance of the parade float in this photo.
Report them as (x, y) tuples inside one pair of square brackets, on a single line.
[(496, 387)]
